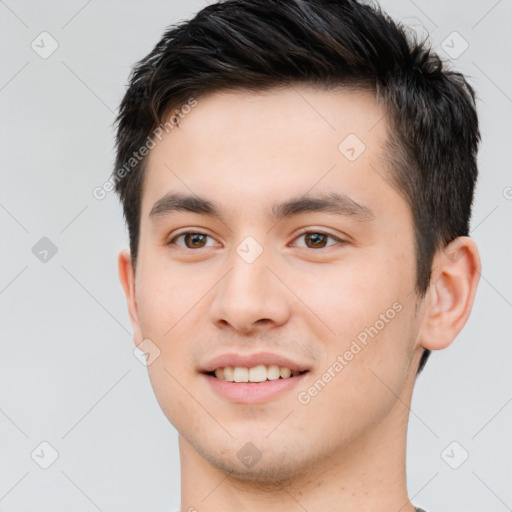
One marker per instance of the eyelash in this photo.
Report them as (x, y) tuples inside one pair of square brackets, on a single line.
[(302, 233)]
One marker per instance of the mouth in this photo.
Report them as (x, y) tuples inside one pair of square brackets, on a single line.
[(255, 385), (256, 378)]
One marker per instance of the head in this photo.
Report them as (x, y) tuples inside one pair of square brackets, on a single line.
[(248, 106)]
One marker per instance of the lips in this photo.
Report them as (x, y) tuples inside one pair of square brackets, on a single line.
[(253, 360), (249, 393)]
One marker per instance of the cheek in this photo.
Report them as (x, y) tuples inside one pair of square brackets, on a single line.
[(169, 388), (349, 295), (358, 383), (165, 296), (368, 310)]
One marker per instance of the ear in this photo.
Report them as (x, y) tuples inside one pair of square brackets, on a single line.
[(455, 275), (127, 278)]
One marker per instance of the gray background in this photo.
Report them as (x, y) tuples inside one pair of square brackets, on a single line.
[(68, 374)]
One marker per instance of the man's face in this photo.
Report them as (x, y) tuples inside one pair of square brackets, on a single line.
[(250, 282)]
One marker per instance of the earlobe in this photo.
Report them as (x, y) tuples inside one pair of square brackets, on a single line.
[(455, 276), (127, 279)]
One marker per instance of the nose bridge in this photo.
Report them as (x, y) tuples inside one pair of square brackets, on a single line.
[(249, 292)]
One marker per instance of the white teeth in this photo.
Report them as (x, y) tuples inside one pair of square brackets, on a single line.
[(240, 374), (273, 372), (258, 373)]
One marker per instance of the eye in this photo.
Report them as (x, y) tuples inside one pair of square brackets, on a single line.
[(317, 239), (192, 240), (197, 240)]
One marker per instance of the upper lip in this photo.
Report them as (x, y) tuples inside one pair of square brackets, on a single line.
[(252, 360)]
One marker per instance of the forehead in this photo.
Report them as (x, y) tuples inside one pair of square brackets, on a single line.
[(249, 146), (293, 113)]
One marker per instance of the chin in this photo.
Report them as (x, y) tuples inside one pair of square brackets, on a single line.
[(273, 466)]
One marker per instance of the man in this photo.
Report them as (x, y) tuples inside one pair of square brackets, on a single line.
[(297, 179)]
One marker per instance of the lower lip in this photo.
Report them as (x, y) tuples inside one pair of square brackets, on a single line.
[(253, 392)]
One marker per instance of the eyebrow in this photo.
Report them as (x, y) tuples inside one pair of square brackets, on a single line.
[(334, 202)]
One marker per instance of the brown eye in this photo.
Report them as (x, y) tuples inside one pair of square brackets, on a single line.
[(192, 240), (195, 239), (317, 239)]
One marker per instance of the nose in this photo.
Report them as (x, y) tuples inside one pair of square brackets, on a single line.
[(250, 296)]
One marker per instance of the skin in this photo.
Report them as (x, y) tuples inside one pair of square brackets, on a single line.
[(344, 450)]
